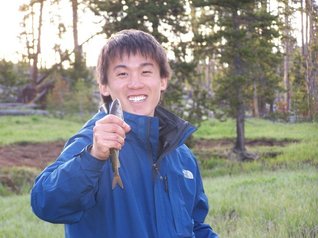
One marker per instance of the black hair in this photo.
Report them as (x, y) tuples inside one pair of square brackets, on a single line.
[(130, 42)]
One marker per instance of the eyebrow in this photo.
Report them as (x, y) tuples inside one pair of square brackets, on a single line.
[(140, 66), (146, 64)]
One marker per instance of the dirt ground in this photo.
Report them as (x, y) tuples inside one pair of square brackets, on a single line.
[(39, 155)]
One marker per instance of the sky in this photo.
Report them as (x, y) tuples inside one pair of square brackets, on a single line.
[(9, 24), (10, 19)]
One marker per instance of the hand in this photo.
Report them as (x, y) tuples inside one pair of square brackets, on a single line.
[(108, 133)]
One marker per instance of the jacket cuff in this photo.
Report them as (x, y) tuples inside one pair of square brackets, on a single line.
[(89, 162)]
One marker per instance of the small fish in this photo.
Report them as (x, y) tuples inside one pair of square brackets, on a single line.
[(116, 110)]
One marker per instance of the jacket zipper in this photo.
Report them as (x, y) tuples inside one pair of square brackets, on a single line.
[(155, 166), (164, 179), (156, 163)]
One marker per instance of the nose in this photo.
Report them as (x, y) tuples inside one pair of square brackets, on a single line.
[(135, 81)]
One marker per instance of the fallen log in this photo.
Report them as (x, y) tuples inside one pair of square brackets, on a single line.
[(11, 105), (24, 112)]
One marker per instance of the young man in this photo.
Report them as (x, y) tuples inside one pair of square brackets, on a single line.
[(162, 194)]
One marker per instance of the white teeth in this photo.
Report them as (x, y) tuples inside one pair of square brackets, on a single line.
[(137, 98)]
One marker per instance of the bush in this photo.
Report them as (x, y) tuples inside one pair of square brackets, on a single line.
[(65, 100), (16, 180)]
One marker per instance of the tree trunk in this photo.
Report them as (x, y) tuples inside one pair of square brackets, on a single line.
[(239, 147), (33, 46), (37, 51), (255, 100), (302, 27), (77, 48), (310, 60), (240, 126), (287, 58)]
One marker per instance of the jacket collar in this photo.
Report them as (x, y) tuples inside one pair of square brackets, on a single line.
[(173, 131)]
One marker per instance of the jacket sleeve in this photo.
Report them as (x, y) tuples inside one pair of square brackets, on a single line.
[(67, 187), (200, 211)]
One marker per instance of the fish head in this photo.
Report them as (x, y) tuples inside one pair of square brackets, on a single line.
[(116, 109)]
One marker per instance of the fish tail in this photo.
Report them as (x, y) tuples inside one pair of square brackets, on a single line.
[(117, 180)]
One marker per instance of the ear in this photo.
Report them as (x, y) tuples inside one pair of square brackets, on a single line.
[(163, 84), (103, 90)]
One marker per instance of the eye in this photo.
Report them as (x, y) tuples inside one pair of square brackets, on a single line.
[(146, 72), (122, 74)]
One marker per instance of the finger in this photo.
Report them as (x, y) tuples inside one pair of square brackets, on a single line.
[(126, 127), (109, 139), (110, 118), (113, 140), (103, 143), (113, 119), (109, 129), (106, 145)]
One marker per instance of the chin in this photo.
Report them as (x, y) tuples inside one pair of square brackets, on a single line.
[(142, 113), (140, 110)]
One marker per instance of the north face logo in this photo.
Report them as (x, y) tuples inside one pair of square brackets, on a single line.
[(187, 174)]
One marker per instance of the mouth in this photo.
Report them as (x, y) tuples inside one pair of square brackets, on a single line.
[(137, 98)]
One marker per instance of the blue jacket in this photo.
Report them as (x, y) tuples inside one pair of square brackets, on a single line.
[(163, 195)]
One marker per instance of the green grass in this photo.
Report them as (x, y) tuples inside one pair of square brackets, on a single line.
[(257, 128), (17, 220), (214, 129), (294, 155), (16, 180), (35, 129), (272, 204), (268, 198)]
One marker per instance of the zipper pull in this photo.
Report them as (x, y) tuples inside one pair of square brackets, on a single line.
[(162, 178), (155, 168)]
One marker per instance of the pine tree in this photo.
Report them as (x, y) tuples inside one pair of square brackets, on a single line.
[(242, 27)]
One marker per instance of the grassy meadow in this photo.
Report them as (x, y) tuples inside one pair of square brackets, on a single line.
[(274, 196), (299, 149), (21, 129)]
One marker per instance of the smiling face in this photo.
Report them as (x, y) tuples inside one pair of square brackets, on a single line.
[(135, 80)]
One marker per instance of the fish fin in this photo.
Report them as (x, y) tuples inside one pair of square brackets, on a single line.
[(117, 180)]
